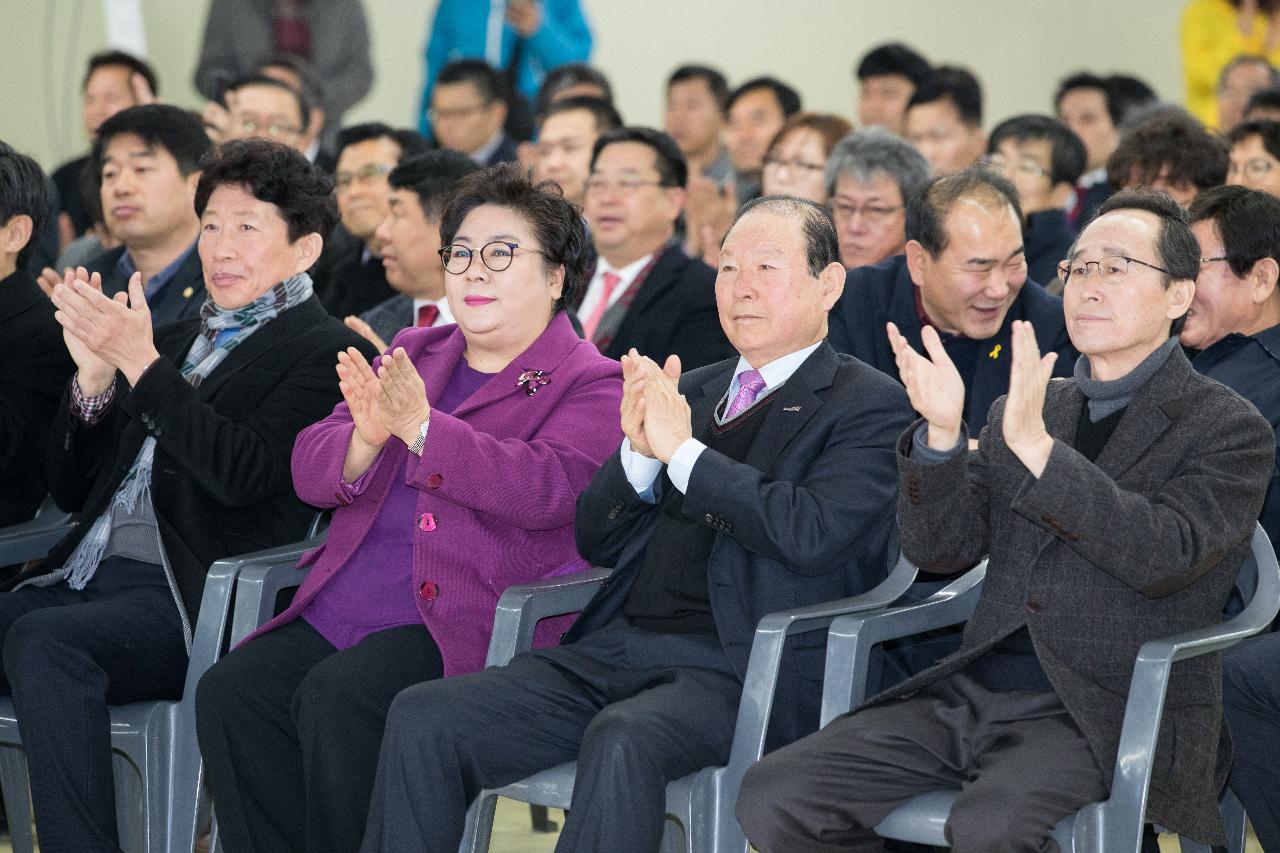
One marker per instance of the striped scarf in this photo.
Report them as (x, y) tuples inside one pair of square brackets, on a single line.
[(202, 359)]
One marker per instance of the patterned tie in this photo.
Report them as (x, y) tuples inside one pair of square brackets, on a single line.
[(611, 281), (750, 384), (427, 315)]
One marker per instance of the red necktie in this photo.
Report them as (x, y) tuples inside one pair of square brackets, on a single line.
[(611, 281), (427, 315)]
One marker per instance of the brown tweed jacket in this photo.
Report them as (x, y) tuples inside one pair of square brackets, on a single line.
[(1097, 559)]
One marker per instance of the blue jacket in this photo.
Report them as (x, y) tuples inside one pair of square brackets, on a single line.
[(875, 295), (458, 32)]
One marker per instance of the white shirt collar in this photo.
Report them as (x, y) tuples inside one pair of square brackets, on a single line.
[(482, 154), (446, 316), (627, 273), (774, 374)]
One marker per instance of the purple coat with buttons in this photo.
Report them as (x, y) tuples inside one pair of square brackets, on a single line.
[(497, 484)]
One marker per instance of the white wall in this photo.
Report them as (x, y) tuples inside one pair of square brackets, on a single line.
[(1018, 49)]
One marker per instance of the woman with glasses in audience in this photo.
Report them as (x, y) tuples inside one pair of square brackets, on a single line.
[(452, 468), (797, 157)]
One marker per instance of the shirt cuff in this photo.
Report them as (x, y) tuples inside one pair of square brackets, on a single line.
[(682, 462), (926, 455), (642, 472), (90, 409)]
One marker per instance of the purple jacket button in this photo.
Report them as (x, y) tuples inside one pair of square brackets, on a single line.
[(434, 481), (427, 522), (428, 591)]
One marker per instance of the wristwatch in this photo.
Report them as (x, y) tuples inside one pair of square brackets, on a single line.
[(416, 447)]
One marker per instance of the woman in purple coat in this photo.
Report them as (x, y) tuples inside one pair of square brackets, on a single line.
[(452, 467)]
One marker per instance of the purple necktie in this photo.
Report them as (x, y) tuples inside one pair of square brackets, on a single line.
[(750, 384)]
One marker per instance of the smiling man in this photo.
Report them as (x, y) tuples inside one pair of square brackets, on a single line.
[(645, 292), (965, 274), (147, 160)]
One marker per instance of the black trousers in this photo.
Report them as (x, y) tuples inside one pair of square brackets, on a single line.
[(1251, 690), (1019, 760), (69, 654), (636, 709), (290, 728)]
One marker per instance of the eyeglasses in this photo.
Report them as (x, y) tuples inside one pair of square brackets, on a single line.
[(1112, 269), (497, 256), (252, 126), (1253, 170), (1204, 262), (1026, 167), (792, 165), (872, 214), (364, 174), (625, 186), (456, 113)]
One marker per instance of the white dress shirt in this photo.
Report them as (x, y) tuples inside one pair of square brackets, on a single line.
[(595, 287), (642, 472), (446, 316)]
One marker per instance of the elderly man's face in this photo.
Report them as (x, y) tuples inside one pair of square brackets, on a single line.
[(1085, 112), (1119, 324), (245, 248), (940, 134), (362, 187), (1235, 90), (870, 219), (754, 119), (968, 288), (1224, 302), (146, 200), (769, 303), (883, 101)]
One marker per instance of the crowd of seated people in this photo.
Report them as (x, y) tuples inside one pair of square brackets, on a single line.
[(743, 360)]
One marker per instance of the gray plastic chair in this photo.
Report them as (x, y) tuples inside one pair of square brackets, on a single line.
[(158, 772), (702, 803), (1114, 825)]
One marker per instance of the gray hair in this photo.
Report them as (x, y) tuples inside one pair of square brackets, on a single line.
[(865, 155)]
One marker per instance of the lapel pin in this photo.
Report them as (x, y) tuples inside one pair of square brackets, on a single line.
[(995, 351), (186, 294), (532, 380), (791, 409)]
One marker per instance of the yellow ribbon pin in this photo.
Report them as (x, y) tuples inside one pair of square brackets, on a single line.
[(186, 294), (995, 351)]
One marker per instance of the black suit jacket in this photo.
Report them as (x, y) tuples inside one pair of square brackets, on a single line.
[(875, 295), (505, 152), (34, 368), (807, 518), (221, 483), (344, 281), (180, 299), (674, 312)]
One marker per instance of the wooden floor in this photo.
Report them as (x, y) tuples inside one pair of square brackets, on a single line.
[(512, 833)]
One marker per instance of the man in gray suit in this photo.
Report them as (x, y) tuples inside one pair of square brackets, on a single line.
[(1116, 508)]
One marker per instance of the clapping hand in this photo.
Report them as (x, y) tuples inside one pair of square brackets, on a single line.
[(364, 330), (104, 334), (360, 389), (403, 401), (667, 418), (1023, 425), (933, 385)]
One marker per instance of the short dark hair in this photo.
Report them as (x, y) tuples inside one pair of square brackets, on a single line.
[(821, 246), (1248, 220), (716, 82), (1067, 154), (488, 81), (158, 125), (299, 96), (431, 176), (673, 169), (275, 173), (555, 220), (1174, 144), (1087, 80), (1178, 248), (410, 142), (24, 191), (927, 210), (308, 79), (954, 84), (1129, 94), (893, 58), (604, 113), (566, 77), (108, 58), (1264, 99), (1266, 130), (788, 98)]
